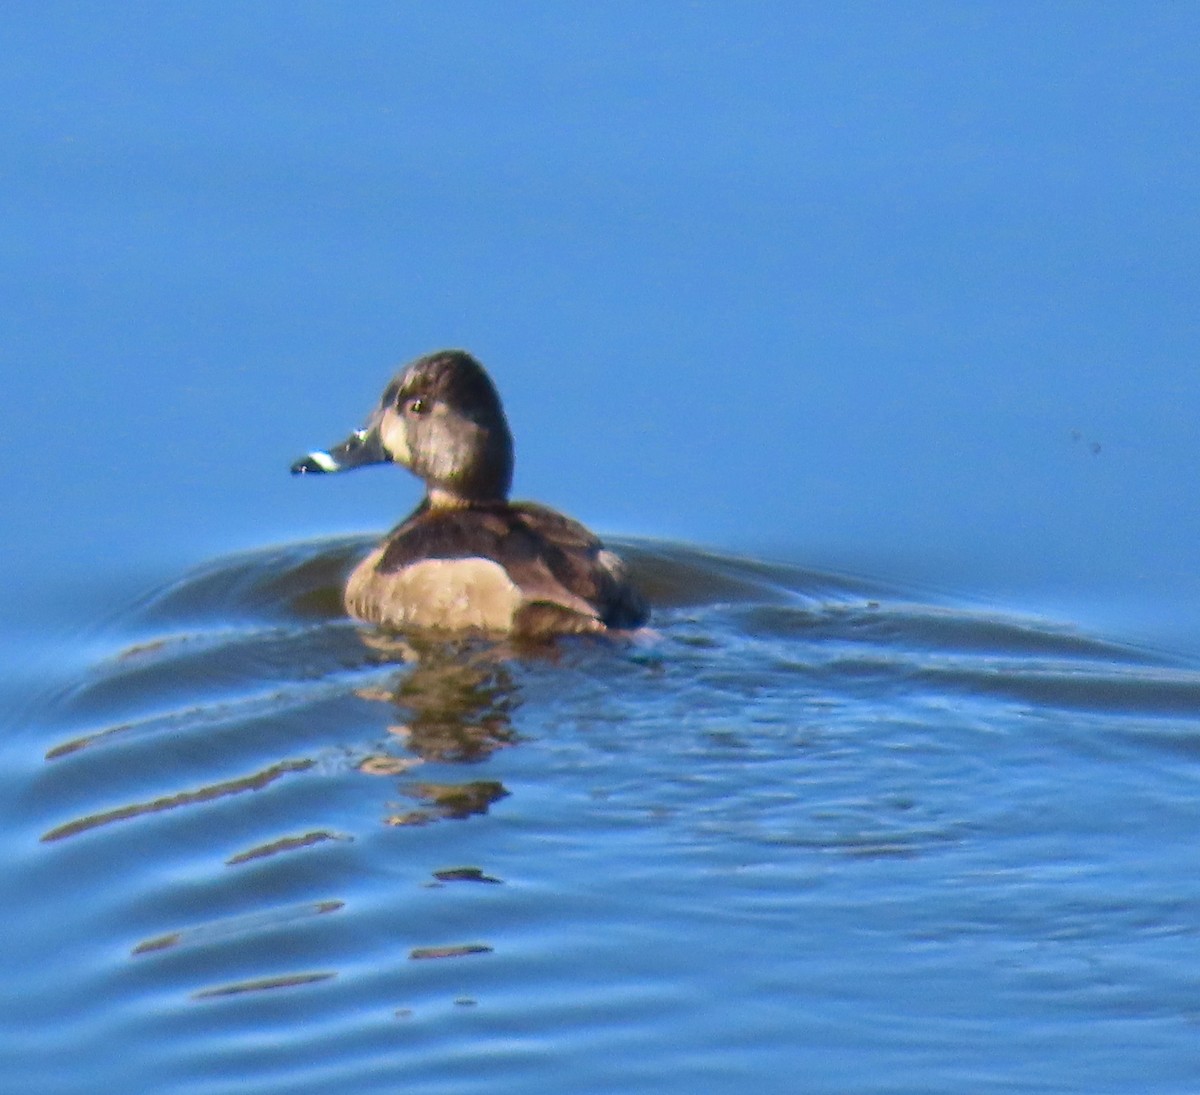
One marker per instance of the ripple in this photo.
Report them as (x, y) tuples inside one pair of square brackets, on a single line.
[(262, 984), (807, 810), (253, 782)]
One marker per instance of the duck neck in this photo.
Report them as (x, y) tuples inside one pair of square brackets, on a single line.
[(482, 479), (438, 498)]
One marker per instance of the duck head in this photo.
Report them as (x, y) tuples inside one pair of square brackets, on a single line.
[(441, 418)]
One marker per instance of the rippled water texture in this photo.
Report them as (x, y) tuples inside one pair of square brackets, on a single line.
[(807, 836)]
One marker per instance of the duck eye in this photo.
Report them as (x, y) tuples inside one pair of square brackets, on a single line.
[(416, 406)]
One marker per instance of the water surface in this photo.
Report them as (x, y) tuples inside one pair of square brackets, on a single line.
[(810, 834)]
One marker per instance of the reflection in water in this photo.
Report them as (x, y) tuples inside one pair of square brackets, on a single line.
[(464, 874), (237, 927), (263, 984), (254, 782), (460, 950), (456, 702), (450, 800), (285, 844)]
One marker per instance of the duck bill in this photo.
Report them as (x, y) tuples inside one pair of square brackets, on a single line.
[(362, 447)]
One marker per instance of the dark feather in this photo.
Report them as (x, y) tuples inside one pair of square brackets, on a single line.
[(539, 548)]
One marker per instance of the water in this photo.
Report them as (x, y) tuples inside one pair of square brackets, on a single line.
[(811, 834), (904, 291)]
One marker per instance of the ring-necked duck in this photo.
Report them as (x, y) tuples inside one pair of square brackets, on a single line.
[(467, 558)]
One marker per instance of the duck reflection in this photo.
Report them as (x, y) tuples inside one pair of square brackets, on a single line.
[(455, 706)]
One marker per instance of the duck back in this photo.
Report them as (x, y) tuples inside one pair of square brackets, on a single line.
[(503, 567)]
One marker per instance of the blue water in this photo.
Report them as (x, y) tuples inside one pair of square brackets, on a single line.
[(873, 328), (811, 835)]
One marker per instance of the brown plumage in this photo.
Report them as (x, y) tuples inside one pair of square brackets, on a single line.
[(467, 558)]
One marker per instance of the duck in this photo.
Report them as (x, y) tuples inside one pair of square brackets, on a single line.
[(468, 559)]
